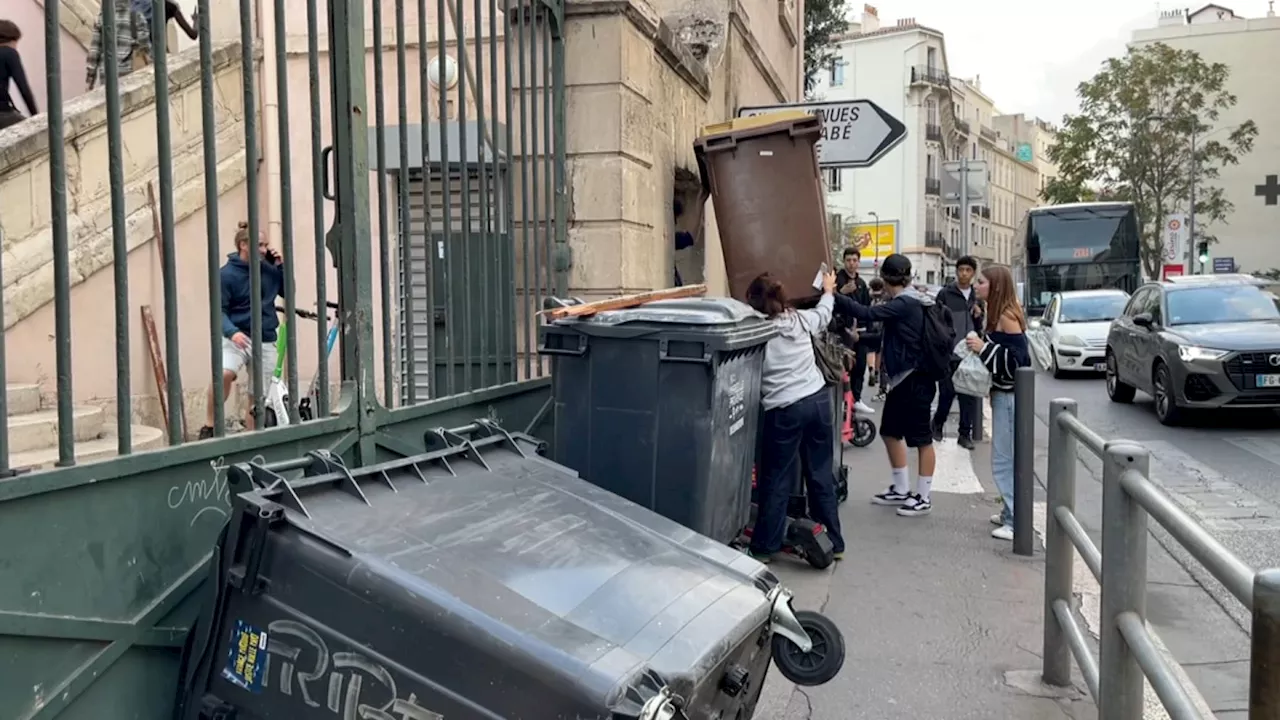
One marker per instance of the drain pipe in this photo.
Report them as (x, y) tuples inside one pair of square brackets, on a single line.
[(270, 158)]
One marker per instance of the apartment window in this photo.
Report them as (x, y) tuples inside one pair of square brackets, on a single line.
[(931, 111), (930, 276), (931, 170), (931, 58), (835, 181), (837, 73), (973, 150)]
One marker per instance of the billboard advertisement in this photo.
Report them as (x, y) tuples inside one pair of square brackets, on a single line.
[(876, 241)]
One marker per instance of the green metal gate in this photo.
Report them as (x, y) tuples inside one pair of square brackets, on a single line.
[(100, 559)]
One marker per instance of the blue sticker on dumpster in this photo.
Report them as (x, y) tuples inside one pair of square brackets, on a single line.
[(247, 657)]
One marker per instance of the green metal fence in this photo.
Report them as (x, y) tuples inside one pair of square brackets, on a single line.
[(466, 225)]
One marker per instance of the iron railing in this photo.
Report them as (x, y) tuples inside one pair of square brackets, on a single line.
[(1128, 651), (461, 271), (988, 133), (930, 75), (932, 186), (962, 126), (933, 132)]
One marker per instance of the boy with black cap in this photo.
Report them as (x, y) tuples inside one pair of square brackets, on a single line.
[(905, 420)]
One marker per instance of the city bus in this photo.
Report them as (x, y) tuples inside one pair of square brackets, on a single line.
[(1077, 246)]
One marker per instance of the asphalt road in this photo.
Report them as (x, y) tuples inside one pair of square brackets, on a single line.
[(1222, 468)]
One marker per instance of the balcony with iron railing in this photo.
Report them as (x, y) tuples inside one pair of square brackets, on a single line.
[(933, 132), (981, 210), (988, 133), (962, 126), (930, 75), (934, 239), (932, 186)]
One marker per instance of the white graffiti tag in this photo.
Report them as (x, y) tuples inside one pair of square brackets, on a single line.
[(207, 494), (305, 660)]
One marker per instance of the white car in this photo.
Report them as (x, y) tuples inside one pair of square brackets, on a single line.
[(1075, 327)]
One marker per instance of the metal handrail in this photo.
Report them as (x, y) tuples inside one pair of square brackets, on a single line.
[(1128, 649)]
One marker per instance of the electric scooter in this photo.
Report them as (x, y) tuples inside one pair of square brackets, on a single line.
[(276, 398)]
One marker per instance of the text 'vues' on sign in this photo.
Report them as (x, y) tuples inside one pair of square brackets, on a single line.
[(855, 133)]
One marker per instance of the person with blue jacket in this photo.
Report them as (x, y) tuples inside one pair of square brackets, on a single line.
[(237, 317)]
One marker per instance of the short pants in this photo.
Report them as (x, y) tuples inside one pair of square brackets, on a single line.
[(908, 411), (236, 358)]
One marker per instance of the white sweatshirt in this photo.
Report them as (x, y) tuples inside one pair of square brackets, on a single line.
[(790, 369)]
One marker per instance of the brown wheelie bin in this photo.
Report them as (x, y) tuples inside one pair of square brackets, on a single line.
[(762, 173)]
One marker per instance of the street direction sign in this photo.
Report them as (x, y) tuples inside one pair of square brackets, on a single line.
[(855, 133)]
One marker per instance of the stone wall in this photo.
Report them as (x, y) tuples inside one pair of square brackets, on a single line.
[(25, 220), (634, 112)]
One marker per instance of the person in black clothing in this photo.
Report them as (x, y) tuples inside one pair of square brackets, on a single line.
[(11, 70), (966, 317), (851, 285)]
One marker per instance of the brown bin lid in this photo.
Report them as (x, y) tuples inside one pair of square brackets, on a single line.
[(727, 135)]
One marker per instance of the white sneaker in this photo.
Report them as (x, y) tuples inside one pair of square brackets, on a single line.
[(863, 408), (997, 520), (1004, 532)]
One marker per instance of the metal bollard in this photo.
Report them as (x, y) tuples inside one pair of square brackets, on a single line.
[(1024, 459), (1124, 582), (1264, 673), (1058, 549)]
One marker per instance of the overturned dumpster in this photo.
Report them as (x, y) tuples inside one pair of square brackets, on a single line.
[(478, 580)]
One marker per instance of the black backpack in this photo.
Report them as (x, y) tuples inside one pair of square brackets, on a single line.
[(938, 341)]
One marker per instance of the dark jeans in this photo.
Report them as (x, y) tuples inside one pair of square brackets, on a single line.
[(968, 408), (859, 373), (804, 426)]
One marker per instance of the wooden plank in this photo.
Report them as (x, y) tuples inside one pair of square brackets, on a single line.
[(157, 361), (158, 239), (625, 301)]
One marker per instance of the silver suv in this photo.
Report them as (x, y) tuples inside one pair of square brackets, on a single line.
[(1199, 342)]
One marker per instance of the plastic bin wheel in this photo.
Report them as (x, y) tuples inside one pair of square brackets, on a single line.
[(822, 663), (864, 433)]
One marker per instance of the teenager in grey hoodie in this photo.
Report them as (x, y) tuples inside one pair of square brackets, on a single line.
[(797, 418)]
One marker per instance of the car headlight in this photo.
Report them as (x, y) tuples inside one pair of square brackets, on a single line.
[(1072, 341), (1189, 353)]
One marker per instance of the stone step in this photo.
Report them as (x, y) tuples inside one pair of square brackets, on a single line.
[(99, 448), (22, 398), (39, 430)]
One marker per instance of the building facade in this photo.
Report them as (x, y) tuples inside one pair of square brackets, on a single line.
[(1250, 47), (897, 203)]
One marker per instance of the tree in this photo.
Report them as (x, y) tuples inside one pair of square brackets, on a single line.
[(823, 20), (1132, 140)]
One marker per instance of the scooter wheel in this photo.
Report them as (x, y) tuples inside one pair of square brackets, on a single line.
[(820, 560), (822, 663), (269, 418), (864, 433)]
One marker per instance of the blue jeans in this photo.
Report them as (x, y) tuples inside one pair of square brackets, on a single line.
[(1002, 450), (804, 426)]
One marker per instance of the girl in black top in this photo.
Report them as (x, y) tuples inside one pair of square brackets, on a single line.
[(11, 69)]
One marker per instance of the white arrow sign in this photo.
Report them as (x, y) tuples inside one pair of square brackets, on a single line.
[(855, 133)]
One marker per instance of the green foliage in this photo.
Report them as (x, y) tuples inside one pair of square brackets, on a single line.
[(823, 20), (1132, 140)]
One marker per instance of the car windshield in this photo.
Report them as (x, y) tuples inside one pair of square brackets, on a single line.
[(1223, 304), (1092, 308)]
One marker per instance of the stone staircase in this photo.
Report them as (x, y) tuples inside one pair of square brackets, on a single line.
[(33, 431)]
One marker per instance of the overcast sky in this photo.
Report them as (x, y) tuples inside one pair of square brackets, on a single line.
[(1031, 55)]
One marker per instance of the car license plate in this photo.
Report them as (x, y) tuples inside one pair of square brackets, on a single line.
[(1100, 367), (1267, 381)]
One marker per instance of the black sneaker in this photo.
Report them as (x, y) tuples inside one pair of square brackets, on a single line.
[(206, 432), (915, 506), (965, 442), (890, 497)]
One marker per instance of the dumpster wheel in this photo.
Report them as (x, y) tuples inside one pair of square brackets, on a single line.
[(822, 663)]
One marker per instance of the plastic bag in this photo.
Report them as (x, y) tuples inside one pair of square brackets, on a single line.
[(972, 377), (1041, 356)]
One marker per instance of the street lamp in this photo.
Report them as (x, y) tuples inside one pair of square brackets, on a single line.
[(875, 241)]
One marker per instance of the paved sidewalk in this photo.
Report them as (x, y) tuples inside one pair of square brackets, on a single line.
[(940, 620)]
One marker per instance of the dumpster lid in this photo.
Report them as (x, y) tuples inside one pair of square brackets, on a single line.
[(686, 311)]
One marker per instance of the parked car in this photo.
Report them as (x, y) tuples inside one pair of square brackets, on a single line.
[(1075, 326), (1197, 343)]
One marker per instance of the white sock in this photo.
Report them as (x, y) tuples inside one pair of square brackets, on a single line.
[(900, 483), (924, 485)]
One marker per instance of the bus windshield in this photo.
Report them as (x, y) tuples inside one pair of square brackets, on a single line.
[(1082, 233), (1045, 280)]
